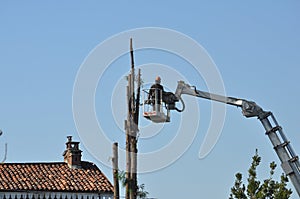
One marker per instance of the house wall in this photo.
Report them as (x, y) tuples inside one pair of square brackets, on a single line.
[(54, 195)]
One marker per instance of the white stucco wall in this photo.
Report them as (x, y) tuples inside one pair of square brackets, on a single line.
[(53, 195)]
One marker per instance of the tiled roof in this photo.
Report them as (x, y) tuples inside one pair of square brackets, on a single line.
[(52, 177)]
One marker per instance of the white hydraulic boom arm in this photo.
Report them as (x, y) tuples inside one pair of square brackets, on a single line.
[(250, 109), (289, 160)]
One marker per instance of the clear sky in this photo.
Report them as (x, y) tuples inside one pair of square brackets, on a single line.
[(255, 46)]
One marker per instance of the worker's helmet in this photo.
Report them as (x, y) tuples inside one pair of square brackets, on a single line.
[(157, 80)]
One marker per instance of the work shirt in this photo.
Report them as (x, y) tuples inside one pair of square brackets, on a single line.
[(156, 89)]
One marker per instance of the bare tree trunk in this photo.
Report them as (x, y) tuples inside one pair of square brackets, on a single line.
[(131, 132), (127, 130), (115, 162)]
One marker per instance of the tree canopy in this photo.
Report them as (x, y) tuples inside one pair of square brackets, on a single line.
[(255, 189)]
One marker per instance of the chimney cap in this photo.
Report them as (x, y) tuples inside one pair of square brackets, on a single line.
[(69, 137)]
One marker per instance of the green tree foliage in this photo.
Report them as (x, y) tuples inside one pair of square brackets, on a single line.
[(141, 193), (255, 189)]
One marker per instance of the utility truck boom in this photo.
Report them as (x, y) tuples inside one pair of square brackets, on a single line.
[(289, 160)]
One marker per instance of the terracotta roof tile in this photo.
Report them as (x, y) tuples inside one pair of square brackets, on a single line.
[(53, 177)]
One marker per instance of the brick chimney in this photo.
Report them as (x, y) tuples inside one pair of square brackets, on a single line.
[(72, 154)]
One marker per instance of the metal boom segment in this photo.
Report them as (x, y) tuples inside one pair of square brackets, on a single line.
[(289, 160)]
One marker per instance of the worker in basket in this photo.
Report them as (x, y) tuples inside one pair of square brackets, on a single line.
[(156, 92)]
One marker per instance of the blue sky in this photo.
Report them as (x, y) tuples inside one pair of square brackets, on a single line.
[(255, 46)]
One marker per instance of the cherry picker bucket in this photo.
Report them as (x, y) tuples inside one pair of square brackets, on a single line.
[(153, 107)]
